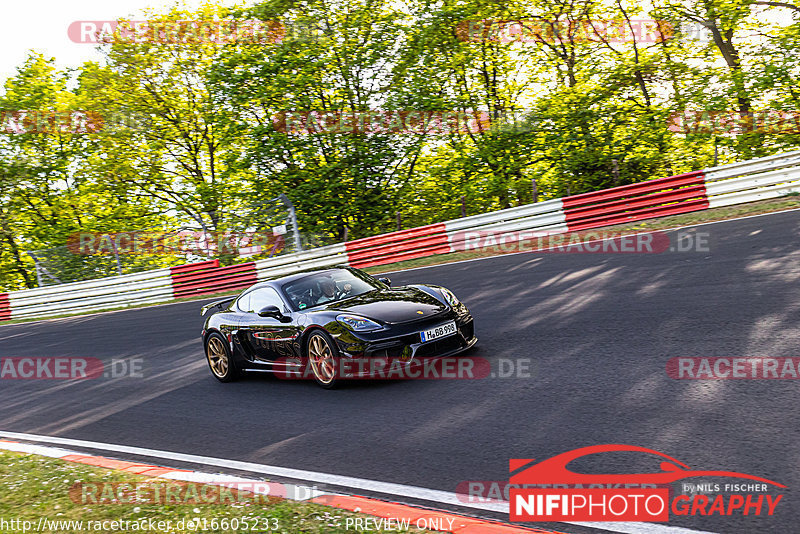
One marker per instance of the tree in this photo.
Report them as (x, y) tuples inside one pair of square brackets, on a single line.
[(334, 62)]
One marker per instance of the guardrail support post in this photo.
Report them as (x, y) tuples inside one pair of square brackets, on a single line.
[(298, 245)]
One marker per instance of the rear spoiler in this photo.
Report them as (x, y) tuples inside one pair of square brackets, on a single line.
[(216, 304)]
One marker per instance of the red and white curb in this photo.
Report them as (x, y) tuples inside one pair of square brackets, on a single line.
[(457, 524)]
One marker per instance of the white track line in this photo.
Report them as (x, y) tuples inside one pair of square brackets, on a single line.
[(387, 488)]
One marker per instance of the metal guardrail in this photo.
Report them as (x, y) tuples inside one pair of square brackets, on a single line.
[(736, 183), (195, 279), (543, 217), (113, 292), (742, 168), (319, 257), (666, 196), (5, 307), (753, 180), (398, 246)]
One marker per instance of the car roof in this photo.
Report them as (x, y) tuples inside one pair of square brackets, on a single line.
[(280, 280)]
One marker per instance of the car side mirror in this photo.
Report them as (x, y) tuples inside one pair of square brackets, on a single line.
[(271, 311), (385, 280)]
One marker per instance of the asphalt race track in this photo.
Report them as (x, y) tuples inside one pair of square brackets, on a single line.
[(598, 329)]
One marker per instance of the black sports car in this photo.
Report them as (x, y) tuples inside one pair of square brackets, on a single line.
[(319, 321)]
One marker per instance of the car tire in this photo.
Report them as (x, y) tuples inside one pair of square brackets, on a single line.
[(219, 359), (323, 359)]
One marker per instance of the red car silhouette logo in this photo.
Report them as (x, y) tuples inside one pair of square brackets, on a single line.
[(554, 470)]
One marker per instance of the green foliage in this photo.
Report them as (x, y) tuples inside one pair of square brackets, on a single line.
[(563, 111)]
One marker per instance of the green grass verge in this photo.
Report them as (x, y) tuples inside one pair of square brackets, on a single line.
[(35, 487), (787, 202)]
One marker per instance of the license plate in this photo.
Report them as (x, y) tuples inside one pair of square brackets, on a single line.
[(439, 331)]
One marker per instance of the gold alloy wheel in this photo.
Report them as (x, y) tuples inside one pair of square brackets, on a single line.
[(217, 357), (321, 357)]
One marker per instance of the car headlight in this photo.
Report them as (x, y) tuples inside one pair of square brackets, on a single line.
[(358, 324), (448, 295)]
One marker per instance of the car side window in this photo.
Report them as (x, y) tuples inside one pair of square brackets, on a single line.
[(244, 302), (264, 296)]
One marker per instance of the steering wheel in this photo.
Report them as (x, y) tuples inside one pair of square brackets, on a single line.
[(305, 298)]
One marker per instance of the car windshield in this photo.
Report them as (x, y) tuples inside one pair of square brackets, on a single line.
[(328, 286)]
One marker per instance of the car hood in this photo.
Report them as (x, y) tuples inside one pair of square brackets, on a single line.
[(395, 305)]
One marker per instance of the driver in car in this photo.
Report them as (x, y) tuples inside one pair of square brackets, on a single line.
[(330, 291)]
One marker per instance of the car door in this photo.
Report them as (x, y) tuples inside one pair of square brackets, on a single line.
[(266, 338)]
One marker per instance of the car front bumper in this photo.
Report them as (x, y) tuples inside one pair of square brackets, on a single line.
[(375, 357)]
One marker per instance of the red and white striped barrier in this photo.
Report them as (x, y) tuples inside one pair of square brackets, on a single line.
[(644, 200), (737, 183), (398, 246), (203, 278), (5, 307)]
